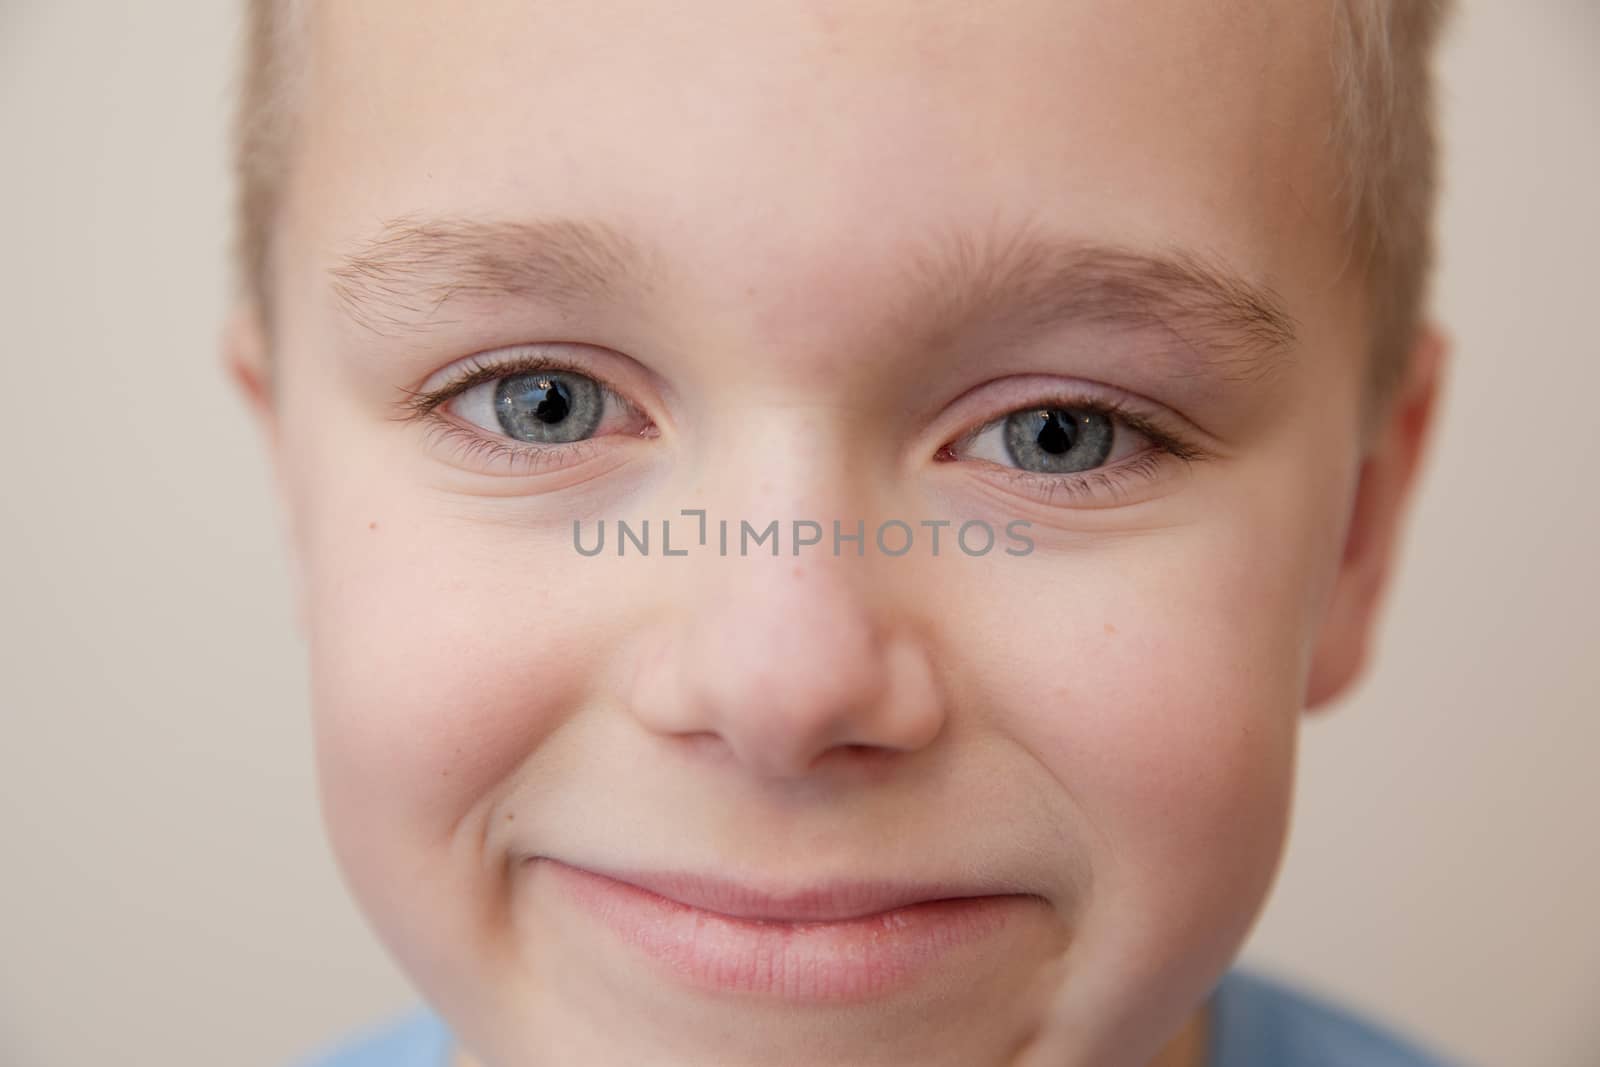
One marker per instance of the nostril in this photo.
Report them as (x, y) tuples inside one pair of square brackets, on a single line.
[(871, 760), (859, 754)]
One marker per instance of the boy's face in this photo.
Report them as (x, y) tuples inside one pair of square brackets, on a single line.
[(1105, 724)]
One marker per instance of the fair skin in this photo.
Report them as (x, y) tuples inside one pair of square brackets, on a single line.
[(1109, 721)]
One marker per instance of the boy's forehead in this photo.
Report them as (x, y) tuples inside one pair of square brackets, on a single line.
[(1164, 123)]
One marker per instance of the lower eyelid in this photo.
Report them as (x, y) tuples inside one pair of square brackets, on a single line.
[(473, 444), (1110, 485)]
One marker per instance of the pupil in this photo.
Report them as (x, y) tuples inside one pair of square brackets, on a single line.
[(556, 404), (1057, 435)]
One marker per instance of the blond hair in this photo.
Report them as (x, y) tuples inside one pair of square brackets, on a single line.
[(1386, 136), (1383, 134)]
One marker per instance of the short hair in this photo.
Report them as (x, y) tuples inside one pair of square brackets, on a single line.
[(1383, 134), (268, 96), (1386, 135)]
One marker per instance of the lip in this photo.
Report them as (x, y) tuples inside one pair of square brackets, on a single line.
[(833, 941), (820, 902)]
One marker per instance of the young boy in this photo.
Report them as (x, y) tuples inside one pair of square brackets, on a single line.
[(994, 420)]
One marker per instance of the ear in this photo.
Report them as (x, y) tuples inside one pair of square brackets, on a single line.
[(244, 361), (247, 364), (1383, 494)]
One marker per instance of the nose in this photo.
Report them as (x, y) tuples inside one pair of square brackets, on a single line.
[(785, 659)]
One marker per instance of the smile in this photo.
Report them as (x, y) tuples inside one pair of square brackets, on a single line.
[(838, 942)]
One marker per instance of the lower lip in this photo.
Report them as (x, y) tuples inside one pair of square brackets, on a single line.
[(844, 960)]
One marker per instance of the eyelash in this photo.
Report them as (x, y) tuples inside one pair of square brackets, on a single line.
[(1113, 482), (423, 405)]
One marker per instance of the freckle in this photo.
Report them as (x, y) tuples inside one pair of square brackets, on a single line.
[(1110, 629), (510, 817), (372, 526)]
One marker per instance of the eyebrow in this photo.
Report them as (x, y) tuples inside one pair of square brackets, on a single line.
[(401, 280), (1230, 326)]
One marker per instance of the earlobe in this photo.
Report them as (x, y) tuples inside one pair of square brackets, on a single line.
[(1384, 491)]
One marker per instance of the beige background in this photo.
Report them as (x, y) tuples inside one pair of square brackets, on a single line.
[(165, 895)]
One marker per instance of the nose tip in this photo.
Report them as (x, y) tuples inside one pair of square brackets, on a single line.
[(786, 663)]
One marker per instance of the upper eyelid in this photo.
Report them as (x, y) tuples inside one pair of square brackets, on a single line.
[(1115, 412), (1017, 392), (488, 366), (1145, 417)]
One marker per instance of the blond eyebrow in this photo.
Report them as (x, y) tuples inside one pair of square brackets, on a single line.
[(1034, 282), (401, 279)]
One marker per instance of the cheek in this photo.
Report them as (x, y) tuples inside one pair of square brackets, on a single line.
[(1196, 717), (441, 658), (446, 657), (444, 650), (1158, 679)]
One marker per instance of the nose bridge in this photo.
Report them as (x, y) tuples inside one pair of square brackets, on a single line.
[(792, 475), (792, 623)]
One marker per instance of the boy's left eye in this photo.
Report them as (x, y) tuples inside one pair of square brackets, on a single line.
[(1056, 440), (1083, 447)]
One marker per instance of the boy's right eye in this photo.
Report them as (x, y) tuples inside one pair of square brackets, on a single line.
[(524, 413), (548, 408)]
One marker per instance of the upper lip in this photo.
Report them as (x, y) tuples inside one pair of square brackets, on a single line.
[(814, 902)]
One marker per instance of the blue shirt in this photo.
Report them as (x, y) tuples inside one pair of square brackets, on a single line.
[(1257, 1021)]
